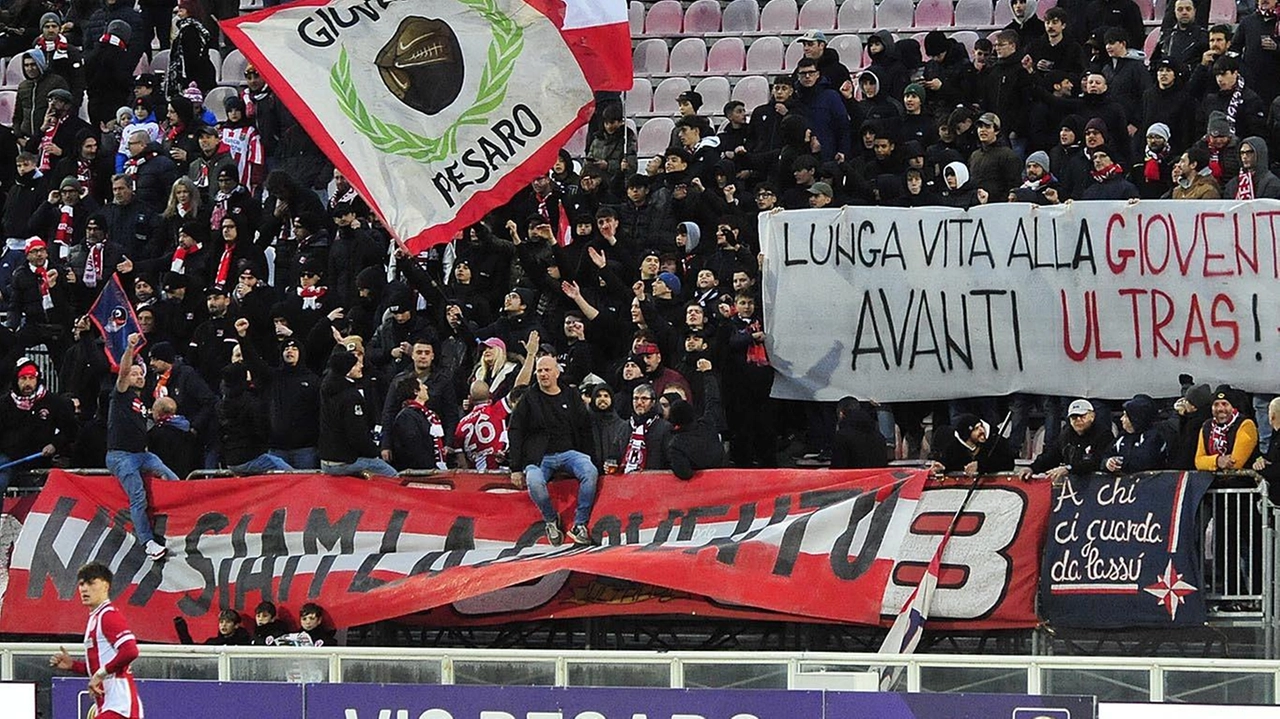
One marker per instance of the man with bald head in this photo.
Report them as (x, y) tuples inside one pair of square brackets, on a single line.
[(549, 432)]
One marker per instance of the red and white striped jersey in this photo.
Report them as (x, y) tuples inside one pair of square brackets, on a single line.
[(246, 150), (483, 433), (108, 642)]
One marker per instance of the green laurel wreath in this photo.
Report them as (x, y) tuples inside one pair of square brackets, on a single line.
[(505, 48)]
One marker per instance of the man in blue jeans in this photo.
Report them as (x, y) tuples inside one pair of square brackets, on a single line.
[(550, 431), (347, 421), (127, 455)]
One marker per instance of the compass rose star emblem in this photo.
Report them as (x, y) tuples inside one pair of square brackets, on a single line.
[(1169, 590)]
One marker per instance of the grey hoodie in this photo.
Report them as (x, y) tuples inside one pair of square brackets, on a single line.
[(1265, 183)]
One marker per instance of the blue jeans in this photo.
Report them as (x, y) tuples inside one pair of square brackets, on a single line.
[(1261, 415), (356, 468), (260, 464), (304, 458), (128, 468), (577, 464)]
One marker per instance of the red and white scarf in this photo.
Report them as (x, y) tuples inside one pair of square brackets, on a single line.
[(63, 236), (133, 164), (1218, 434), (437, 432), (1106, 173), (84, 173), (109, 39), (46, 160), (55, 48), (26, 404), (178, 264), (93, 266), (1244, 189), (637, 452), (245, 145), (46, 300), (224, 266), (311, 296)]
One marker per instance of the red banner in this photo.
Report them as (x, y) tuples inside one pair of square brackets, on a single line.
[(797, 545)]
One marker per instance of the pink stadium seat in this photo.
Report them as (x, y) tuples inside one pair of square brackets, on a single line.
[(13, 71), (931, 14), (1003, 13), (779, 16), (689, 55), (765, 55), (8, 99), (795, 51), (1153, 38), (640, 97), (973, 13), (665, 17), (654, 136), (727, 55), (856, 15), (650, 56), (143, 67), (160, 62), (849, 47), (702, 16), (741, 16), (966, 38), (818, 15), (577, 144), (715, 93), (1159, 9), (1147, 8), (895, 14), (665, 94), (635, 17), (1222, 11), (1045, 6), (752, 90)]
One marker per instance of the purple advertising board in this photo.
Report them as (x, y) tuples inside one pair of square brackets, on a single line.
[(178, 699), (845, 705)]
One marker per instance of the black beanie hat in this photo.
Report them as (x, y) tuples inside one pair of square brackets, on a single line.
[(341, 362)]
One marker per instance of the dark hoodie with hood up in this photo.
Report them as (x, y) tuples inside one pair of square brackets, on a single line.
[(887, 66), (1144, 448), (1265, 183)]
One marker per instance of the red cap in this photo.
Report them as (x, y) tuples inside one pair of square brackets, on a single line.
[(35, 243), (29, 370)]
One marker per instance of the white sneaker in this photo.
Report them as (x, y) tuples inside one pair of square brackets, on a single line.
[(156, 551)]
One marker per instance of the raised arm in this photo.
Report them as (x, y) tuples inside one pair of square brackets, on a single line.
[(126, 362)]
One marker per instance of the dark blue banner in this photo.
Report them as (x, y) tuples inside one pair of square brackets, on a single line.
[(1125, 551), (113, 315)]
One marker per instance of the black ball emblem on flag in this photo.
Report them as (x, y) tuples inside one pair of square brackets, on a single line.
[(422, 64)]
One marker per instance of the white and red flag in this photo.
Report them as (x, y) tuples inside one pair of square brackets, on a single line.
[(438, 111)]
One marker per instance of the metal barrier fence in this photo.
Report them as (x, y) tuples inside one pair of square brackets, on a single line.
[(1126, 679)]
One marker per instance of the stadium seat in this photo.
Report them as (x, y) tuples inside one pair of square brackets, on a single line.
[(215, 57), (715, 93), (933, 14), (765, 55), (973, 13), (703, 16), (8, 100), (1003, 14), (689, 55), (1045, 6), (1222, 11), (664, 96), (217, 97), (650, 56), (84, 108), (849, 47), (966, 38), (143, 67), (13, 71), (1147, 8), (654, 136), (1159, 6), (779, 16), (741, 16), (893, 14), (818, 15), (160, 62), (665, 17), (856, 15), (635, 17), (795, 51), (752, 90), (577, 144), (728, 55), (1153, 38), (639, 98), (233, 68)]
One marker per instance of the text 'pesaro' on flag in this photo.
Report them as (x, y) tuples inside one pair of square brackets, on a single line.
[(439, 112)]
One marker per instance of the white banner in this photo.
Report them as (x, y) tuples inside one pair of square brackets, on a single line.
[(437, 111), (1096, 299)]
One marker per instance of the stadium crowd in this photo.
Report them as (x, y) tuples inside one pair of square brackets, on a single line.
[(279, 327)]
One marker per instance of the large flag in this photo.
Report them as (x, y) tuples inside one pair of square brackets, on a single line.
[(113, 315), (598, 33), (436, 111)]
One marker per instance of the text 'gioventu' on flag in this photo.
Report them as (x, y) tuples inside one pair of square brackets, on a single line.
[(437, 111)]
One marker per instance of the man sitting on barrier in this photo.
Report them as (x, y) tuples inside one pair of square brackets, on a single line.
[(1079, 451), (1228, 440), (974, 449), (550, 431)]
